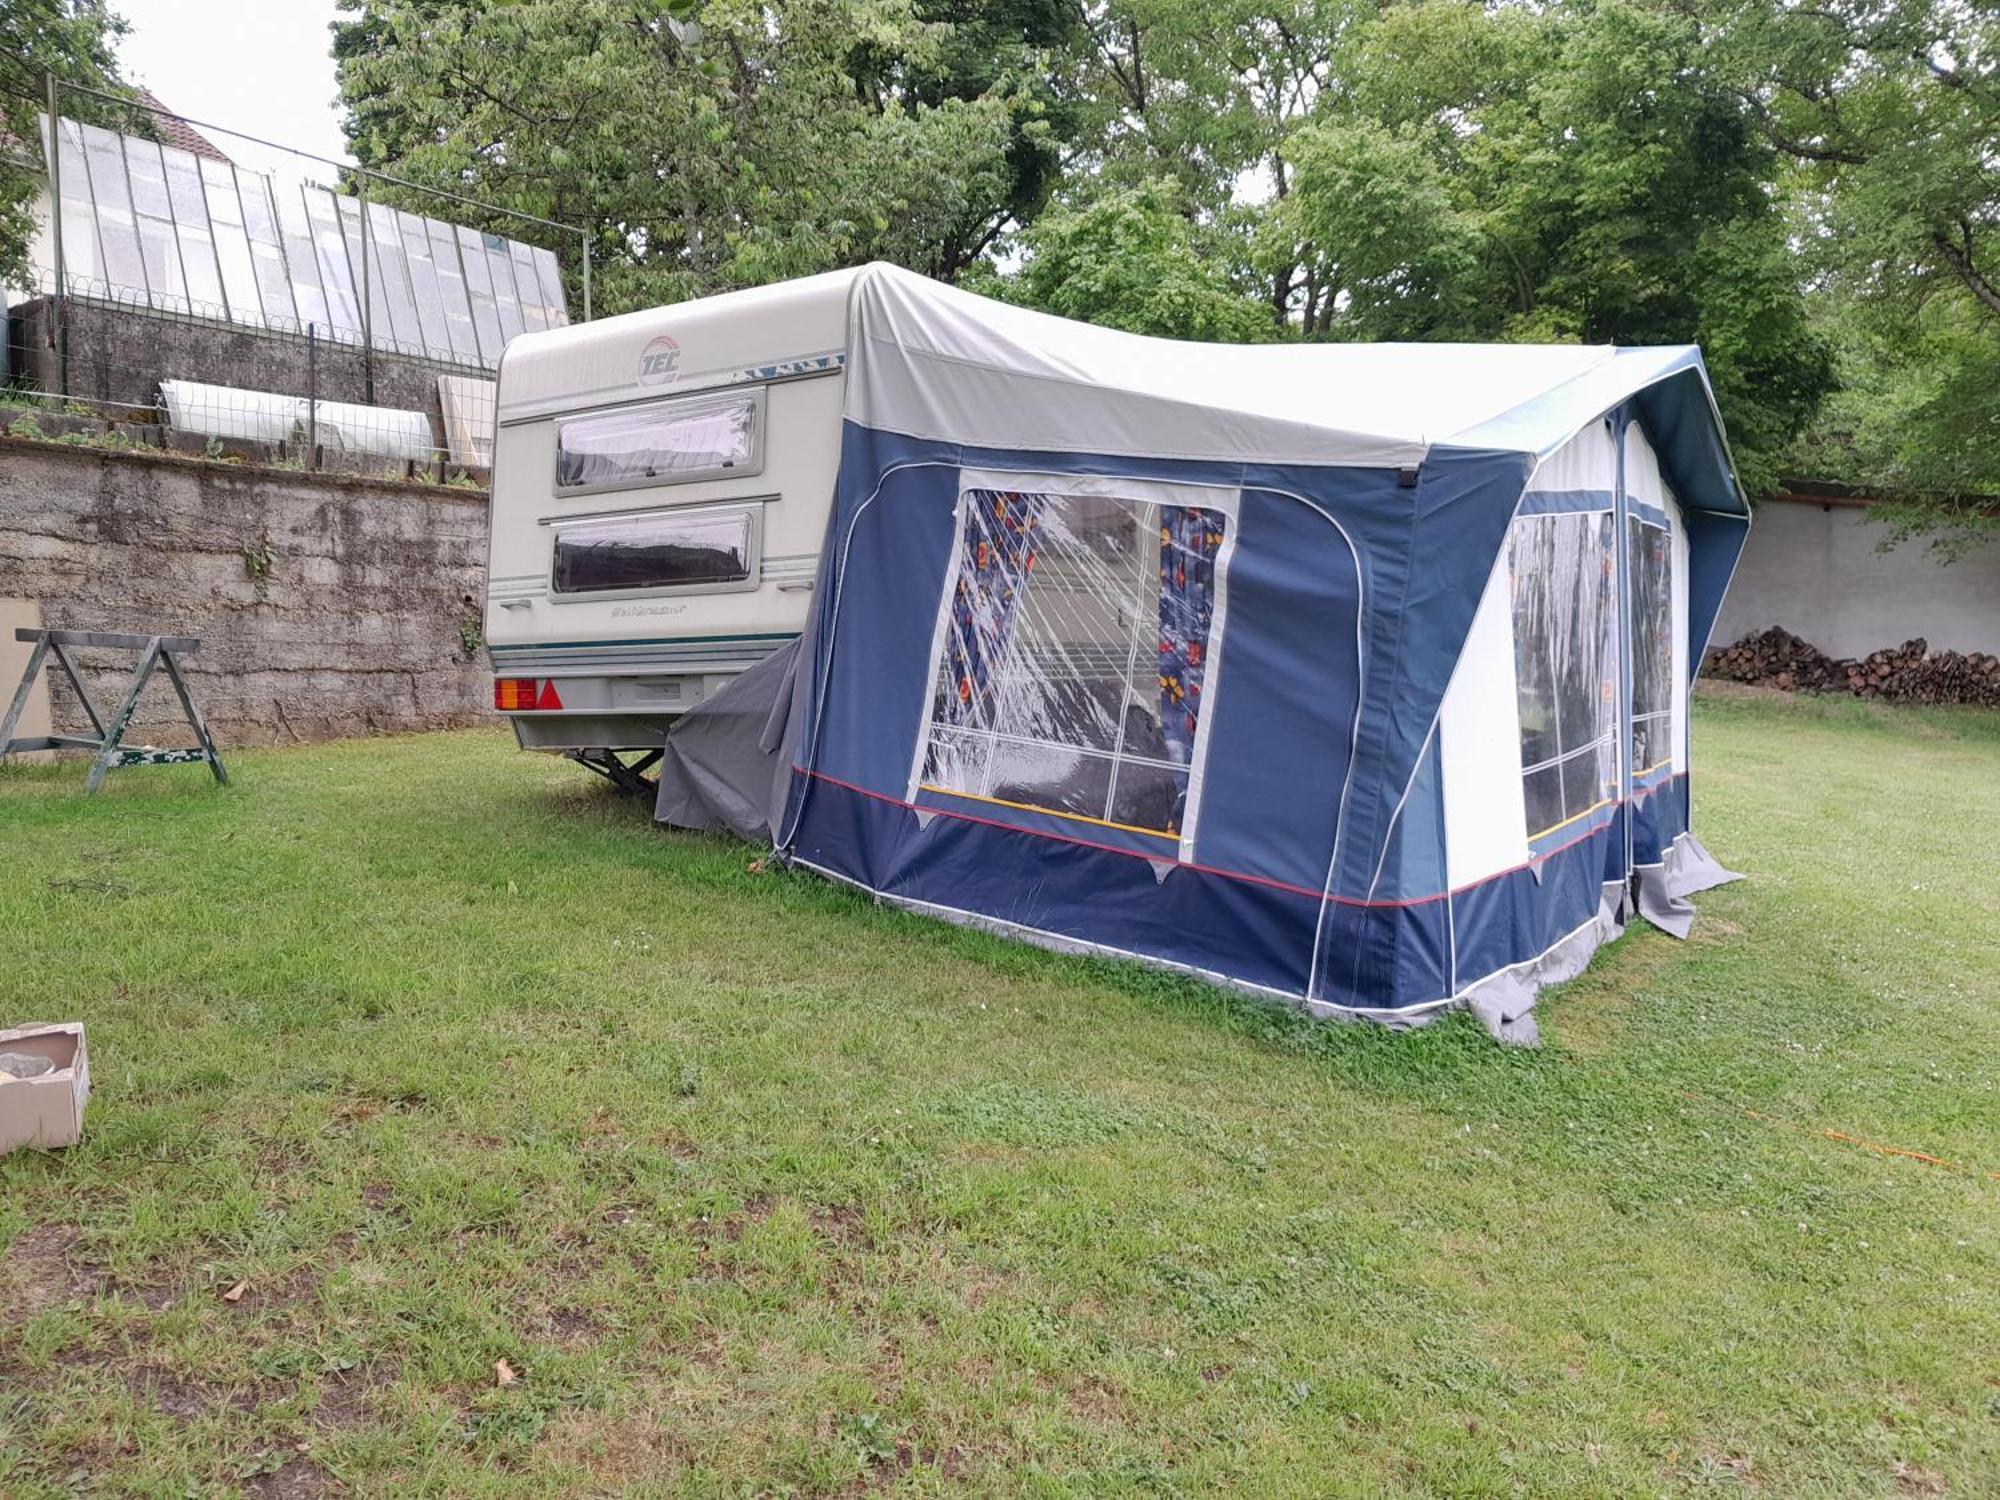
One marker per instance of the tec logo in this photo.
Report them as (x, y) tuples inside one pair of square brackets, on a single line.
[(660, 362)]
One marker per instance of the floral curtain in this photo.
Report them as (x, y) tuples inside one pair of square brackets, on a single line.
[(999, 554), (1190, 539)]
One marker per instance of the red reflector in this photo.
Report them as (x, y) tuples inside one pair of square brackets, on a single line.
[(549, 698)]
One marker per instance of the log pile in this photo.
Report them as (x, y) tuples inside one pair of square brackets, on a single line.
[(1909, 673)]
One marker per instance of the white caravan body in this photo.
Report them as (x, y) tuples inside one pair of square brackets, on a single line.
[(661, 488)]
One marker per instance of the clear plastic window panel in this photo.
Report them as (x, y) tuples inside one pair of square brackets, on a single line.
[(198, 263), (479, 287), (424, 284), (1565, 664), (267, 251), (451, 287), (1650, 569), (83, 262), (403, 326), (653, 552), (678, 441), (550, 275), (1075, 657), (141, 259), (302, 259), (232, 242)]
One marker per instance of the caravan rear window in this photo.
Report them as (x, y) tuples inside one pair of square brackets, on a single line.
[(689, 549), (668, 442)]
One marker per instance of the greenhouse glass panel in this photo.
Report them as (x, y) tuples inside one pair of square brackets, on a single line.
[(336, 272), (232, 243), (451, 286), (127, 261), (479, 285), (424, 284), (529, 287), (267, 250), (506, 300), (301, 259), (379, 326), (404, 328), (197, 240), (83, 260), (550, 275)]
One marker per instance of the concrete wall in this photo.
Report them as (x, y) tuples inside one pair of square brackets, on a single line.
[(327, 605), (1812, 567)]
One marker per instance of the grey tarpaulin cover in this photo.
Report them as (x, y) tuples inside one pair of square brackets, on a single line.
[(728, 761)]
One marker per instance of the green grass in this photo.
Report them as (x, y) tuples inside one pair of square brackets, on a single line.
[(453, 1058)]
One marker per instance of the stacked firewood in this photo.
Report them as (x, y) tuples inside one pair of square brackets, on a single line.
[(1909, 673)]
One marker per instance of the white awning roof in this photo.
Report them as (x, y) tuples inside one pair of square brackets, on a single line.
[(931, 361)]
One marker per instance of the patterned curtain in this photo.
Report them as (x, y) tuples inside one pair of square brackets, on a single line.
[(1190, 539), (999, 554)]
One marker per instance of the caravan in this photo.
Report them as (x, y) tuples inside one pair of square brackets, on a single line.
[(661, 488), (1353, 675)]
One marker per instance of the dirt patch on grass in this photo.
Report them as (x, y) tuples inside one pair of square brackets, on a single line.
[(296, 1479), (37, 1272), (343, 1399), (185, 1400)]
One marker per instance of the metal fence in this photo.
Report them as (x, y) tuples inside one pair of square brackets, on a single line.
[(202, 388), (188, 297)]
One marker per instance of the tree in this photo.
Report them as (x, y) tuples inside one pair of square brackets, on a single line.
[(1128, 260), (72, 39), (1888, 112), (1573, 173), (757, 142)]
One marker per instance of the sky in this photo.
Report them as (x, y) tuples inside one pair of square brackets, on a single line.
[(262, 66)]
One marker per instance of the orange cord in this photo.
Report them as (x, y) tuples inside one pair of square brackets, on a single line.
[(1853, 1140)]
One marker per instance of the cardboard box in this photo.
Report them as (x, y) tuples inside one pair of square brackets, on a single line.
[(24, 614), (45, 1111)]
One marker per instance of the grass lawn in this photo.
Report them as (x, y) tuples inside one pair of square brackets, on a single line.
[(452, 1058)]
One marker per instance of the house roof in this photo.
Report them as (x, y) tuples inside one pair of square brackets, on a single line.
[(174, 131)]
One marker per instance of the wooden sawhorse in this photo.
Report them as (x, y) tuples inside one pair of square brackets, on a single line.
[(154, 651)]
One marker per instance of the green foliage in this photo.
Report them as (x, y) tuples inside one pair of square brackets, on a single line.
[(1129, 260), (1393, 255), (72, 39), (1888, 112), (750, 144), (1577, 173)]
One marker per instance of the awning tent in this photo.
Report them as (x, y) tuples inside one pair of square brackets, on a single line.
[(1355, 675)]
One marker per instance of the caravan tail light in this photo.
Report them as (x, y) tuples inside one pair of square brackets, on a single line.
[(525, 694)]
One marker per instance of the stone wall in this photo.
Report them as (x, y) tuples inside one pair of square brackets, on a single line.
[(327, 605)]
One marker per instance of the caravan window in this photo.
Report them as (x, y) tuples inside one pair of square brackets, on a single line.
[(684, 549), (670, 442), (1074, 656), (1565, 590)]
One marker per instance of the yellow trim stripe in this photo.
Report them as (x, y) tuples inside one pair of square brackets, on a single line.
[(1579, 817), (1048, 812)]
